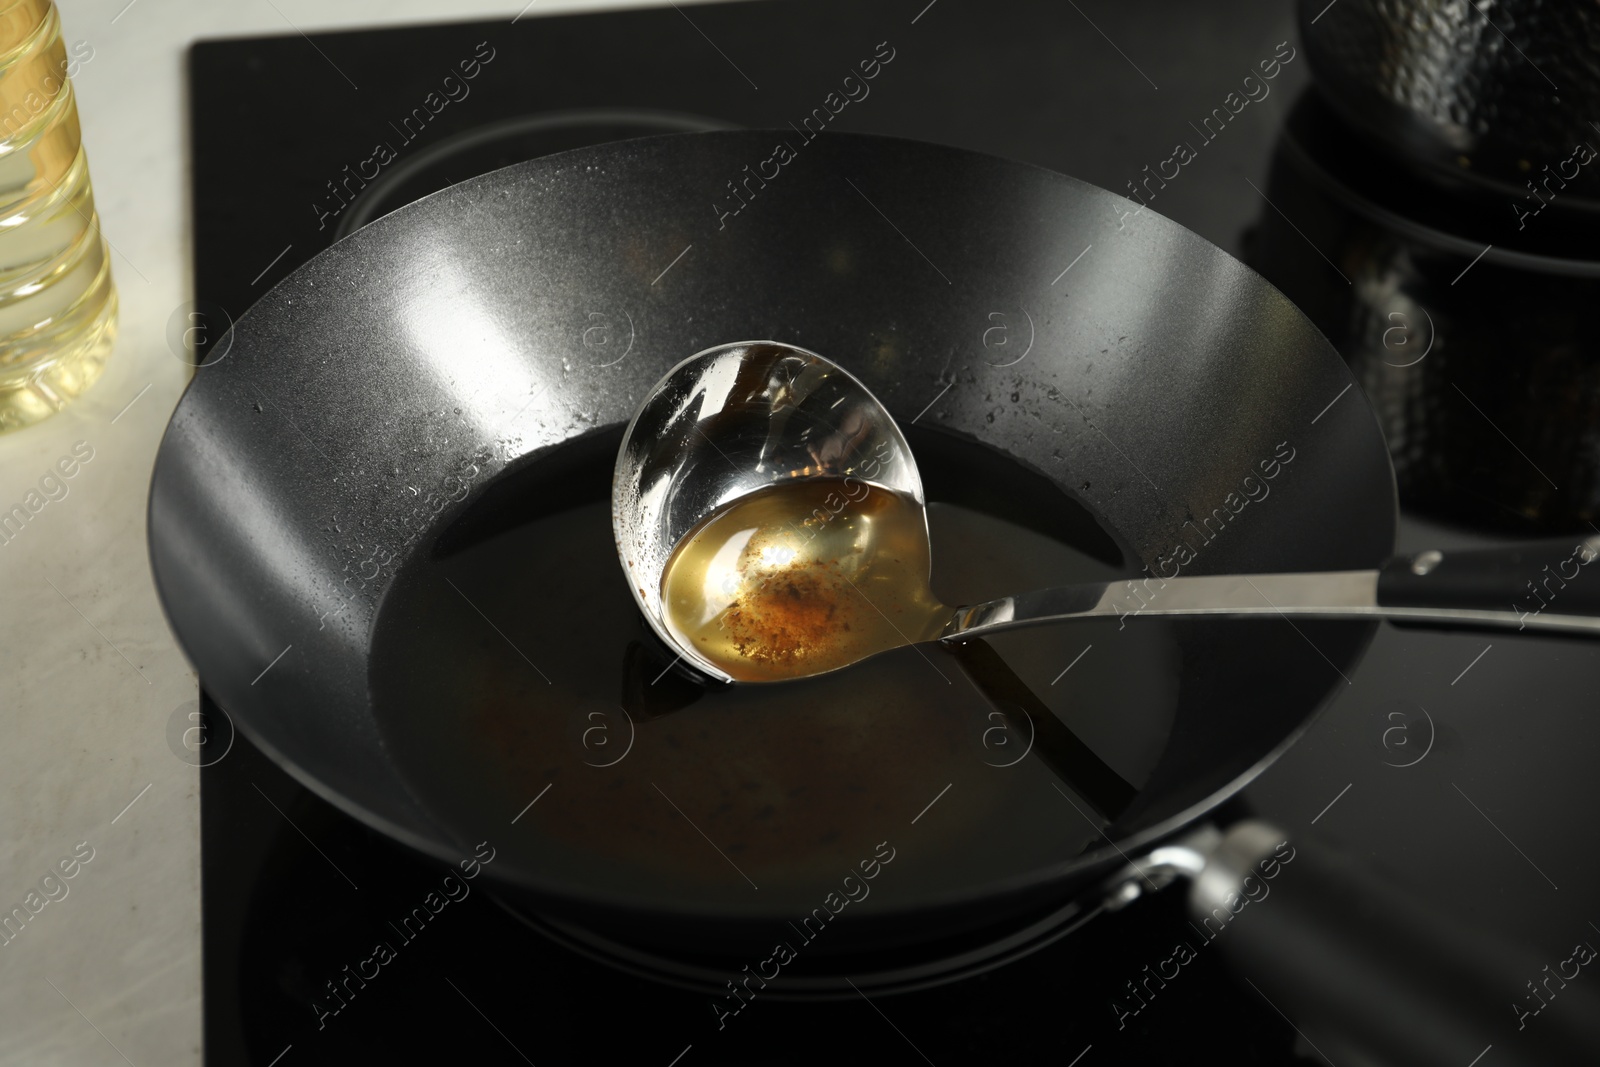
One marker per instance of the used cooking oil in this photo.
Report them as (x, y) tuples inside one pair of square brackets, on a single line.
[(58, 307), (802, 578)]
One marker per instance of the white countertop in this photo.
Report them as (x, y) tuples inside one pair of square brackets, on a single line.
[(89, 674)]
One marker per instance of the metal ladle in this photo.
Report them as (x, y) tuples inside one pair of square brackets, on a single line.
[(745, 417)]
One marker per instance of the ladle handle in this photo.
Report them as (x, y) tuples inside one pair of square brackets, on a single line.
[(1539, 585), (1535, 582), (1378, 974)]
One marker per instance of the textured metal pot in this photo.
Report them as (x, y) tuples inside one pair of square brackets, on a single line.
[(1482, 360), (1486, 93)]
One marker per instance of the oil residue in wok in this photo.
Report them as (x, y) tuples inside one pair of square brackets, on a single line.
[(801, 578), (518, 671)]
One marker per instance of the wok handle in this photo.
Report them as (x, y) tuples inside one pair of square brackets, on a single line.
[(1536, 581), (1361, 967)]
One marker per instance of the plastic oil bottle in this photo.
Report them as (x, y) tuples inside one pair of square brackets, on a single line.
[(58, 308)]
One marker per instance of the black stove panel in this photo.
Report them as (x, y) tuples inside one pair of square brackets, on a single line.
[(326, 943)]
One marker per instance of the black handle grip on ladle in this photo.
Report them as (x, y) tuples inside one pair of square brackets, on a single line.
[(1559, 575)]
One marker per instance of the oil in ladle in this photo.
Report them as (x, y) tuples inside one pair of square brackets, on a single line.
[(801, 578)]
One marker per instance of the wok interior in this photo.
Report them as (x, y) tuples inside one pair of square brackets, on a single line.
[(758, 800)]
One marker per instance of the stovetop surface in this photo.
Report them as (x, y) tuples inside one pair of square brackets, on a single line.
[(1455, 763)]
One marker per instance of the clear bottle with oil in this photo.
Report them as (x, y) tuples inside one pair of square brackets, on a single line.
[(58, 307)]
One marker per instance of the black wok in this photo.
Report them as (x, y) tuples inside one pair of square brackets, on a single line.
[(434, 383)]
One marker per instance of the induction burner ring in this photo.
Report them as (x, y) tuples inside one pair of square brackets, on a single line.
[(499, 144)]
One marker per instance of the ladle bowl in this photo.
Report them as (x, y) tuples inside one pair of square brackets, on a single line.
[(726, 423)]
